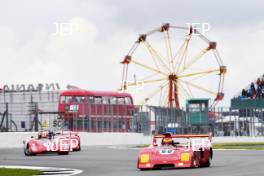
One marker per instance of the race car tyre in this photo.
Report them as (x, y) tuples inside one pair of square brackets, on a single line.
[(63, 153), (208, 163), (143, 169), (195, 160), (79, 147), (26, 151)]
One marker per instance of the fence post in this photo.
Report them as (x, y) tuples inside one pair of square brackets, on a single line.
[(36, 116), (7, 118)]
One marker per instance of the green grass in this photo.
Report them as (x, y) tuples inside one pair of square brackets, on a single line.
[(142, 146), (18, 172), (240, 145)]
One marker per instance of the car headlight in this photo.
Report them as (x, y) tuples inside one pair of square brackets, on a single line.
[(144, 158), (185, 156)]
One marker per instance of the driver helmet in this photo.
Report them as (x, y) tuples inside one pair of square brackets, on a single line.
[(167, 141)]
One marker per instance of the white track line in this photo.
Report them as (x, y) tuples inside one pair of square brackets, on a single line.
[(48, 170)]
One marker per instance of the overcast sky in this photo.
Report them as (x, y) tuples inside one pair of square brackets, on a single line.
[(104, 30)]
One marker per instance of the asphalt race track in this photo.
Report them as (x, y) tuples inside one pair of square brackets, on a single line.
[(96, 161)]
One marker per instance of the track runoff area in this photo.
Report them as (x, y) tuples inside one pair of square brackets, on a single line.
[(112, 161)]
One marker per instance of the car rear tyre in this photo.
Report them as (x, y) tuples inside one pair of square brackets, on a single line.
[(79, 147)]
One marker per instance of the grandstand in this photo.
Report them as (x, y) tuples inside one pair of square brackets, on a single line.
[(252, 96)]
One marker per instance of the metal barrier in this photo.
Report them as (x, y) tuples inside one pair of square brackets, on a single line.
[(32, 116)]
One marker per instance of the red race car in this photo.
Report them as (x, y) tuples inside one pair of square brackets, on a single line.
[(47, 142), (176, 151), (75, 139)]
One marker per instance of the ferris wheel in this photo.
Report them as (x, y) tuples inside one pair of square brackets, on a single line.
[(171, 64)]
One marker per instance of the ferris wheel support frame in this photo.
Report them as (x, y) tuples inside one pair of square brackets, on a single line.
[(174, 72)]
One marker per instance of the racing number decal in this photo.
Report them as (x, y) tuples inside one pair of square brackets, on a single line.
[(166, 151)]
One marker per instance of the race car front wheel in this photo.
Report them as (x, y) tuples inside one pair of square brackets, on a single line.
[(195, 160), (26, 151), (208, 163)]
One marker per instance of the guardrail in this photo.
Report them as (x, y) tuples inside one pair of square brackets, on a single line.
[(15, 139)]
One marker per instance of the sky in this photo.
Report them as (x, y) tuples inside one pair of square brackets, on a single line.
[(89, 55)]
